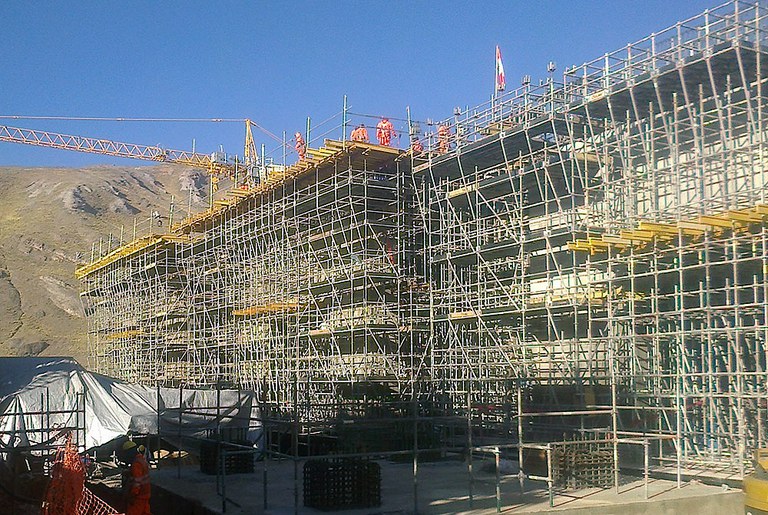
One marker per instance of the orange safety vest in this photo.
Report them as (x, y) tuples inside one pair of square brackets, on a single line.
[(384, 132), (360, 134), (301, 147), (443, 133), (140, 487)]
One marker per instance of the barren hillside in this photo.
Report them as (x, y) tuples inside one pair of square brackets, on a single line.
[(49, 219)]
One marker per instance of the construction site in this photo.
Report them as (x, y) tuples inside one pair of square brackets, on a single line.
[(570, 279)]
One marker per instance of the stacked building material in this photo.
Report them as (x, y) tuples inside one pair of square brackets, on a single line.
[(342, 483)]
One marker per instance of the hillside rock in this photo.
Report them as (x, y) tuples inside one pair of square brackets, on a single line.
[(121, 206), (10, 307), (74, 201), (51, 220)]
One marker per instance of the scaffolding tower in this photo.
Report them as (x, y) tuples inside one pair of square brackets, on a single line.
[(579, 263)]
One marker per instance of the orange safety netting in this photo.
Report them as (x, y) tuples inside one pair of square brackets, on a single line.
[(67, 493)]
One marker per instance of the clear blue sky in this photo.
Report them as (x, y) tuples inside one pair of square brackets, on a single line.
[(279, 62)]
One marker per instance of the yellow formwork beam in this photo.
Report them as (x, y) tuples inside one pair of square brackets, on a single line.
[(647, 232), (637, 235), (692, 228), (715, 221), (135, 247), (332, 150), (746, 216), (272, 307), (660, 228), (616, 241), (579, 246), (463, 315), (598, 243)]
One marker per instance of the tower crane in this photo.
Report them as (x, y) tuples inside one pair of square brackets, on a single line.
[(215, 163)]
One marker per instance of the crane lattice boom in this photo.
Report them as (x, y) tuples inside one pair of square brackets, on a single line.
[(110, 148)]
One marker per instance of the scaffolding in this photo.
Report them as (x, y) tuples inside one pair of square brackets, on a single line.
[(597, 245), (581, 264), (305, 280)]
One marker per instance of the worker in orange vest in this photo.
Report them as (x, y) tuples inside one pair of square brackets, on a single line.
[(360, 134), (137, 488), (416, 147), (443, 139), (385, 131), (301, 146)]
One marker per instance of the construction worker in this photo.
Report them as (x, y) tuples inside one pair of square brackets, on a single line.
[(416, 147), (385, 131), (360, 134), (136, 482), (443, 139), (301, 146)]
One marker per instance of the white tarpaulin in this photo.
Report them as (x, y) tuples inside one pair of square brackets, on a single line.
[(40, 396)]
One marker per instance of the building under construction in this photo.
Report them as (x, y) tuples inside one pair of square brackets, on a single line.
[(583, 263)]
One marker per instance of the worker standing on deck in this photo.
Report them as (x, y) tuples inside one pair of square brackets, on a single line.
[(360, 134), (443, 139), (137, 488), (385, 131), (301, 146)]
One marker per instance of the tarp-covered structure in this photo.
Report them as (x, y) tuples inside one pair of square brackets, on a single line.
[(41, 396)]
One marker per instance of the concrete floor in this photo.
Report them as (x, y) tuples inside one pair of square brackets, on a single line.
[(443, 488)]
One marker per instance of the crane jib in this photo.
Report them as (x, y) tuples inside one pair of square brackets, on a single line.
[(111, 148)]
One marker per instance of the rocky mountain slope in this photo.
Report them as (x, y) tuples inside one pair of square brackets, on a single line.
[(49, 220)]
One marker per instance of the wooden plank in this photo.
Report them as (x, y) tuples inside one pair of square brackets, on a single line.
[(462, 315), (460, 191), (332, 143), (242, 194), (584, 157), (321, 152)]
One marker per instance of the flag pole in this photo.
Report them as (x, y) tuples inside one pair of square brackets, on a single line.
[(499, 81), (495, 81)]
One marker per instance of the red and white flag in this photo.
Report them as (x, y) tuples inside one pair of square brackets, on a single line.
[(501, 81)]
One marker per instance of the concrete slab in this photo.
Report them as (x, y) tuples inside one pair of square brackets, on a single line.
[(441, 488)]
